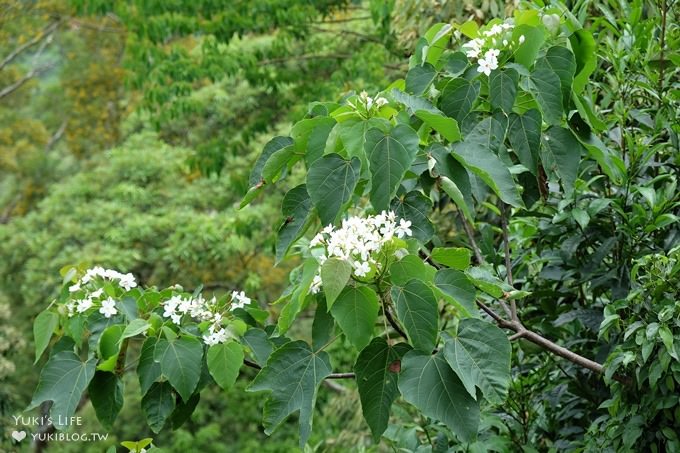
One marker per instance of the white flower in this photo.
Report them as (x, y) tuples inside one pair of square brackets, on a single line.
[(216, 335), (361, 268), (403, 229), (381, 101), (316, 284), (83, 305), (239, 300), (97, 293), (108, 308), (74, 288), (127, 281)]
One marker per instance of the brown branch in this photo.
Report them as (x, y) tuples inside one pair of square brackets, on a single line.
[(471, 237), (19, 83), (508, 260), (56, 136), (333, 56), (393, 322), (19, 50)]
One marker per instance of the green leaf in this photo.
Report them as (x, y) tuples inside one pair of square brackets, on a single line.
[(458, 97), (62, 381), (389, 156), (413, 103), (533, 41), (181, 360), (353, 136), (276, 163), (585, 53), (545, 86), (316, 142), (428, 382), (503, 89), (294, 305), (295, 207), (323, 325), (410, 267), (447, 127), (561, 154), (480, 356), (562, 62), (453, 257), (477, 155), (377, 371), (356, 312), (148, 370), (108, 347), (43, 328), (335, 274), (437, 38), (452, 190), (419, 78), (457, 286), (259, 345), (416, 308), (224, 363), (292, 376), (183, 411), (416, 207), (524, 134), (275, 144), (330, 183), (106, 394), (158, 404), (136, 327)]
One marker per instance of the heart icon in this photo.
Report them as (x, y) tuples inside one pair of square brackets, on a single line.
[(19, 435)]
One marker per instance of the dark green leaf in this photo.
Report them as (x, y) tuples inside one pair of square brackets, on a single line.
[(458, 97), (295, 208), (417, 311), (330, 183), (335, 274), (416, 207), (561, 60), (584, 47), (270, 148), (545, 86), (322, 327), (410, 267), (524, 134), (148, 369), (419, 78), (181, 360), (561, 154), (224, 363), (356, 312), (158, 404), (106, 394), (43, 328), (456, 285), (503, 89)]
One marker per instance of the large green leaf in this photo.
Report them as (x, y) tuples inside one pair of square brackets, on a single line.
[(259, 345), (544, 84), (458, 97), (335, 274), (292, 376), (297, 299), (106, 394), (503, 89), (62, 381), (158, 404), (356, 312), (453, 257), (181, 360), (458, 286), (410, 267), (476, 153), (389, 156), (323, 326), (353, 136), (416, 207), (316, 142), (330, 183), (224, 363), (148, 370), (584, 47), (295, 208), (419, 78), (43, 328), (428, 382), (480, 356), (417, 311), (275, 144), (447, 127), (562, 62), (377, 371), (524, 134), (533, 40), (561, 154)]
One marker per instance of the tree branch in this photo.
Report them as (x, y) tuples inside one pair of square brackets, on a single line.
[(333, 56), (19, 50), (19, 83), (508, 260), (471, 237)]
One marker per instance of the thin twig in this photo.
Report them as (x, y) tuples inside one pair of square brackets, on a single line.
[(508, 260), (393, 322), (46, 32), (471, 238)]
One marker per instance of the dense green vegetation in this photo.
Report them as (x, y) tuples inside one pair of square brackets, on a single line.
[(523, 297)]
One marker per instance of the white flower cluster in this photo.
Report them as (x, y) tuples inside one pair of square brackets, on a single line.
[(487, 48), (91, 298), (203, 310), (358, 240), (366, 105)]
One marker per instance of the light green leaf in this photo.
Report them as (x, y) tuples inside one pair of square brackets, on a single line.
[(295, 208), (452, 190), (480, 356), (561, 154), (562, 62), (413, 103), (62, 381), (410, 267), (181, 360), (377, 371), (353, 136), (428, 382), (545, 86), (224, 362), (135, 327), (330, 183), (356, 312), (453, 257), (158, 404), (476, 153), (106, 394), (533, 40), (292, 376), (458, 97), (335, 274), (416, 207), (447, 127), (294, 305), (437, 37), (276, 163), (503, 89), (417, 311), (108, 347), (524, 134), (43, 328), (458, 287), (419, 78), (389, 156), (584, 47), (275, 144)]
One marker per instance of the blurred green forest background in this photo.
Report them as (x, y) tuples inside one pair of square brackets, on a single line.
[(127, 133)]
